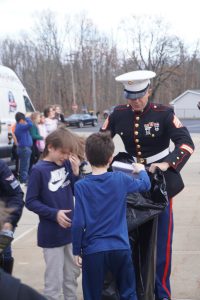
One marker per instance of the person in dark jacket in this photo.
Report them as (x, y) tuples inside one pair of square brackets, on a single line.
[(11, 288), (12, 196), (146, 129)]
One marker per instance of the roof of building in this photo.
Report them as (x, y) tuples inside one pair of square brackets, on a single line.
[(183, 94)]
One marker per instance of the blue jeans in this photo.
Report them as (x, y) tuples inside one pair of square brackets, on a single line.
[(24, 154)]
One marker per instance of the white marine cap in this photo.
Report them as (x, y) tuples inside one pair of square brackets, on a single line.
[(135, 83)]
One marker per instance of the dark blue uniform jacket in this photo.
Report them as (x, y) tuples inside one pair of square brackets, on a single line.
[(147, 133)]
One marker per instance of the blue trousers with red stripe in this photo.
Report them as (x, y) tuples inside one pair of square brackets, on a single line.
[(164, 253)]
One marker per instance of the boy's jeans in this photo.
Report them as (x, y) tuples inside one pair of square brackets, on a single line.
[(24, 154), (61, 273)]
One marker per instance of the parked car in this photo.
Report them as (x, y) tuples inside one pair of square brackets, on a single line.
[(80, 120)]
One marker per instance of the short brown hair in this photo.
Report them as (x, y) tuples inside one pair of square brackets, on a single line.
[(47, 110), (64, 139), (34, 116), (99, 148)]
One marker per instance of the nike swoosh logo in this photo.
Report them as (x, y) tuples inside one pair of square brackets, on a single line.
[(53, 187)]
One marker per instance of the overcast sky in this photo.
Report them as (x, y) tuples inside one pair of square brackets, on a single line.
[(184, 16)]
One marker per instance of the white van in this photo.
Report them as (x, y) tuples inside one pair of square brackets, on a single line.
[(13, 98)]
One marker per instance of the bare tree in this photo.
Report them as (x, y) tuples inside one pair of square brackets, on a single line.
[(77, 61), (154, 48), (93, 64)]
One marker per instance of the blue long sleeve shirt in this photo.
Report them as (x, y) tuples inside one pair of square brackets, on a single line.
[(99, 222), (22, 132), (50, 189)]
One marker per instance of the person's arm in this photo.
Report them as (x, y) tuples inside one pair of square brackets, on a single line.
[(24, 126), (29, 122), (73, 177), (163, 166), (14, 139), (140, 184), (35, 133), (78, 223), (109, 125), (75, 163), (183, 145), (12, 195), (33, 199), (13, 134)]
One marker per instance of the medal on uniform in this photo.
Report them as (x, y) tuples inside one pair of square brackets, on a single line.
[(156, 126), (147, 128)]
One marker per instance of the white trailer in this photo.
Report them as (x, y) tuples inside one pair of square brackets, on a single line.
[(13, 98)]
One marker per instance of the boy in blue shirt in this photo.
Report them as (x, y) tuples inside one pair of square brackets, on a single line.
[(24, 144), (99, 228)]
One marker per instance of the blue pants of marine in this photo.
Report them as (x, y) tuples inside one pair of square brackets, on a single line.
[(96, 265), (164, 254)]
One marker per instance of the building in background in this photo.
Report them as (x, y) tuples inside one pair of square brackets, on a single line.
[(185, 105)]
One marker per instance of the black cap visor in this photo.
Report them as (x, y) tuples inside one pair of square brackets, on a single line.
[(135, 95)]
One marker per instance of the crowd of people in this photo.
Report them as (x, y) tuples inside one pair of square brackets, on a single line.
[(29, 135), (93, 233)]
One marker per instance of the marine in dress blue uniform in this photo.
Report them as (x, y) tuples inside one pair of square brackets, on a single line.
[(146, 129)]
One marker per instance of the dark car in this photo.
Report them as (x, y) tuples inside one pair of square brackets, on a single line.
[(80, 120)]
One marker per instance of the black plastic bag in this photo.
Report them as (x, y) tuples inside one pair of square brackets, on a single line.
[(142, 207), (143, 245), (174, 181), (143, 242), (110, 291)]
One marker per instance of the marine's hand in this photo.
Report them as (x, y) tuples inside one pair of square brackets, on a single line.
[(75, 163), (62, 218), (138, 167), (78, 260), (163, 166)]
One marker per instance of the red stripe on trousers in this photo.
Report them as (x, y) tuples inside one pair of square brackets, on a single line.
[(168, 252)]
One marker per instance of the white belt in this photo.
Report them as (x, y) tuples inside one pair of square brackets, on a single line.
[(153, 158)]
